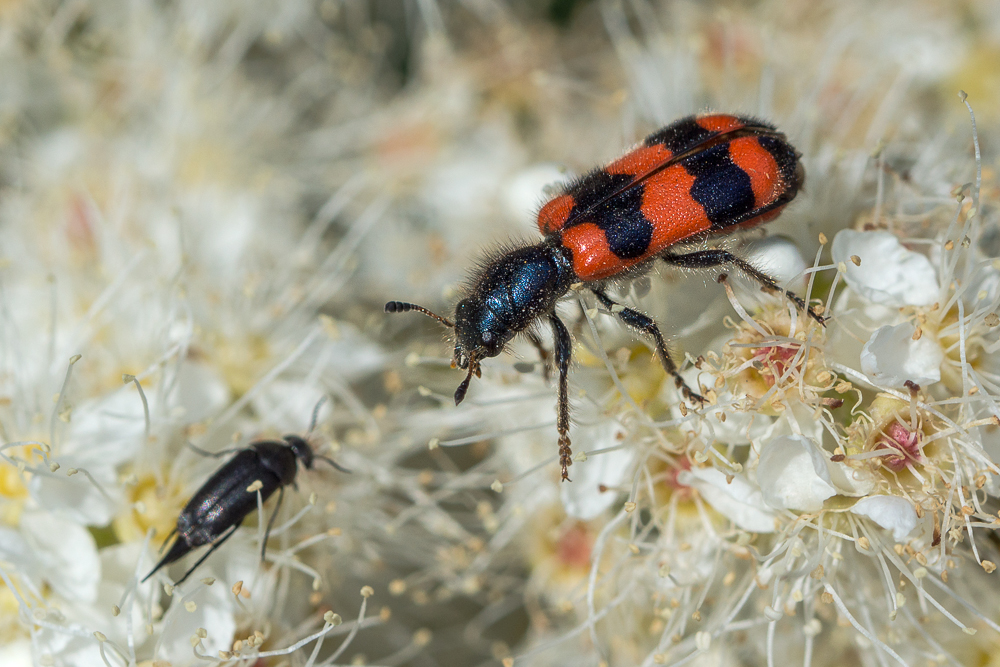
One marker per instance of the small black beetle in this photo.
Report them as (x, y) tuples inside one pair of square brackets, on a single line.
[(218, 508)]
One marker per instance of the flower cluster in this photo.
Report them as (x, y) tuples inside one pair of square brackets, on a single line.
[(203, 208), (836, 484)]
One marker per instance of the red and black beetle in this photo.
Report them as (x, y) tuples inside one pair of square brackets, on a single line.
[(700, 176)]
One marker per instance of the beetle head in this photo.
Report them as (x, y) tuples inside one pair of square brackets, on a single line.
[(301, 448)]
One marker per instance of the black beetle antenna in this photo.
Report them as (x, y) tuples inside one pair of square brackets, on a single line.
[(332, 462), (315, 415), (402, 307)]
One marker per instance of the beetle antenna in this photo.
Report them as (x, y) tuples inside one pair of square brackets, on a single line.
[(402, 307), (332, 462), (315, 415), (464, 387), (215, 455)]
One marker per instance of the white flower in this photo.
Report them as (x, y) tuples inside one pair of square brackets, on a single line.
[(888, 273), (892, 357)]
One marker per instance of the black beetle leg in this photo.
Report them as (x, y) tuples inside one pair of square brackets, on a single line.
[(215, 545), (647, 326), (163, 546), (706, 259), (270, 522), (563, 352)]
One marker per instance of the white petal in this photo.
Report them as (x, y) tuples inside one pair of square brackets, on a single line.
[(103, 434), (739, 501), (16, 551), (792, 475), (16, 653), (851, 481), (796, 421), (891, 357), (779, 258), (75, 498), (891, 512), (199, 391), (740, 428), (68, 650), (582, 499), (889, 273), (288, 406), (107, 431), (66, 554), (856, 319)]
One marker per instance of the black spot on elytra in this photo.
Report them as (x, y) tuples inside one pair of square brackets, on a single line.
[(722, 188), (681, 136), (628, 231)]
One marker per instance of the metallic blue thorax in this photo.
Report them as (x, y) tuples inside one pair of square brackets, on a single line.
[(511, 293)]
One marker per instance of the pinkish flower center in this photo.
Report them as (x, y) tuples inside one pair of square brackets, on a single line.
[(774, 361), (899, 437)]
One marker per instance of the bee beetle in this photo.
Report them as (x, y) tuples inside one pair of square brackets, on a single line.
[(698, 177), (218, 508)]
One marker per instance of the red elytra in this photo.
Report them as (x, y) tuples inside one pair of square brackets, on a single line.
[(701, 175)]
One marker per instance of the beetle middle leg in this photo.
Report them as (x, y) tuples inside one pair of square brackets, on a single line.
[(706, 259), (563, 350), (646, 325), (270, 522)]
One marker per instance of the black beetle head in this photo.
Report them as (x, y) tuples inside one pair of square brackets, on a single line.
[(301, 448), (479, 334)]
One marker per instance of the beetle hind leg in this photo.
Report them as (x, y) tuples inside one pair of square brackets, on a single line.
[(706, 259), (215, 545), (647, 326)]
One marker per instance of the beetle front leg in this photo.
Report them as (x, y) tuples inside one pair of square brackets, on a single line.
[(543, 354), (647, 326), (270, 523), (563, 350)]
